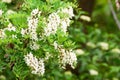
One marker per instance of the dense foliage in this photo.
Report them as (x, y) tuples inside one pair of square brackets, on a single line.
[(55, 40)]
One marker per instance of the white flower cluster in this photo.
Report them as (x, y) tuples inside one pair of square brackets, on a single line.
[(79, 52), (1, 12), (93, 72), (34, 46), (24, 32), (2, 33), (66, 56), (9, 12), (85, 18), (32, 27), (68, 10), (10, 27), (55, 22), (116, 50), (90, 44), (7, 1), (36, 65), (32, 24), (103, 45), (64, 24)]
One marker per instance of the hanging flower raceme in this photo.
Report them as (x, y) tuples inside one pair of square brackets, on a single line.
[(33, 23), (66, 56), (37, 65), (68, 11), (55, 21), (64, 24), (32, 27)]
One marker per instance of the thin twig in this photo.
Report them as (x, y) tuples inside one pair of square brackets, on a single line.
[(114, 14)]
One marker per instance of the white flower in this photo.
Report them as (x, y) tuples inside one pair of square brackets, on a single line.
[(64, 24), (35, 12), (54, 19), (10, 27), (79, 52), (2, 33), (55, 45), (91, 45), (53, 23), (34, 46), (103, 45), (7, 1), (85, 18), (47, 56), (116, 50), (67, 57), (1, 12), (33, 36), (93, 72), (32, 24), (37, 65), (24, 31), (68, 11), (10, 12), (14, 36), (47, 31)]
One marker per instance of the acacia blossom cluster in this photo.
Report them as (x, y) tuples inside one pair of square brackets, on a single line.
[(37, 65), (66, 56), (10, 27), (55, 21), (32, 24), (32, 27), (65, 22)]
